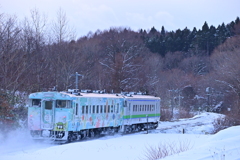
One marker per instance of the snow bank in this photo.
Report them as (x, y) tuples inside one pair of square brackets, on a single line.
[(199, 124), (223, 145)]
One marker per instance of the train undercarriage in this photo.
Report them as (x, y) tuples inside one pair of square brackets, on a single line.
[(70, 136)]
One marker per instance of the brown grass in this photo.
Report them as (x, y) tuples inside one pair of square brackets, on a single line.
[(165, 149)]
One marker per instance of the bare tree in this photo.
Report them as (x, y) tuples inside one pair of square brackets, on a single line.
[(61, 30), (33, 41), (11, 59), (122, 58), (173, 84), (226, 65)]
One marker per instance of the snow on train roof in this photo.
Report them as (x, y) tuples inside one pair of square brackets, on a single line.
[(81, 94), (110, 95)]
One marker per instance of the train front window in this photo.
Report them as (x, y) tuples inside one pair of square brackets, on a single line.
[(48, 105), (36, 102), (63, 104)]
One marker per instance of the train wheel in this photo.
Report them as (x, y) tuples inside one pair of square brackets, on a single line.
[(92, 134), (70, 137)]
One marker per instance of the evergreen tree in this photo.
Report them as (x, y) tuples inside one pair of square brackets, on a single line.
[(153, 30), (163, 32), (237, 20), (205, 27)]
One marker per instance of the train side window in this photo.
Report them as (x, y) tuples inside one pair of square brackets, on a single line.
[(76, 112), (90, 109), (93, 109), (69, 104), (97, 109), (117, 107), (101, 109), (86, 110), (83, 109), (111, 109), (104, 108)]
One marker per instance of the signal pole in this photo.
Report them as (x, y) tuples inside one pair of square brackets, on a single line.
[(77, 79)]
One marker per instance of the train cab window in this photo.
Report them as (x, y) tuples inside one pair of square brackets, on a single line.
[(36, 102)]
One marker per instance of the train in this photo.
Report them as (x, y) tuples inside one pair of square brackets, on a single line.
[(74, 115)]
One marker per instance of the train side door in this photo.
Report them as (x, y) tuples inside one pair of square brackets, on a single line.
[(76, 116), (128, 112), (47, 121)]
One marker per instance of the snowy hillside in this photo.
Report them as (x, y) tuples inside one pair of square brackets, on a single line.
[(200, 145)]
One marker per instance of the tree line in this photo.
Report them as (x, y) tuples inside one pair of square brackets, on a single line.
[(191, 70)]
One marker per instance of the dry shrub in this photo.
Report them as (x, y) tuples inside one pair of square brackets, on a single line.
[(185, 114), (224, 122), (166, 149), (166, 114)]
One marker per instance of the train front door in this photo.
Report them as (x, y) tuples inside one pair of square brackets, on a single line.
[(47, 120)]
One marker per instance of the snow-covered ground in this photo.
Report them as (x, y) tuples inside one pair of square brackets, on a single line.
[(200, 145)]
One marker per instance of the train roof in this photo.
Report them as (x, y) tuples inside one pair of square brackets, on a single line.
[(73, 95)]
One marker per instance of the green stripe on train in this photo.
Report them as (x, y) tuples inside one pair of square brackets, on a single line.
[(141, 116)]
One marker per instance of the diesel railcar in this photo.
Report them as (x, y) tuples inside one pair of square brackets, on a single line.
[(74, 115)]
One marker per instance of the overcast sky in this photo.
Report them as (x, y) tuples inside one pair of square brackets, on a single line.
[(90, 15)]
